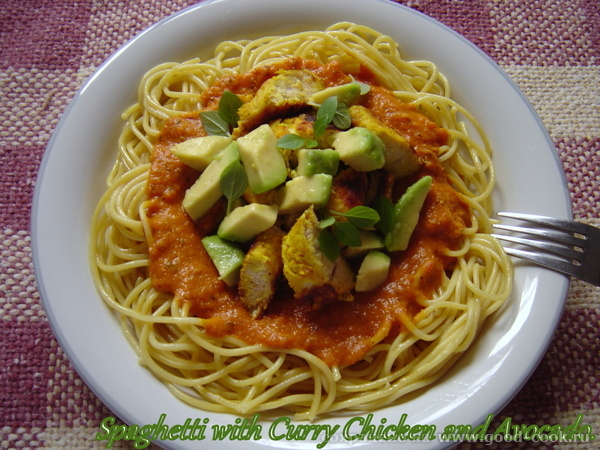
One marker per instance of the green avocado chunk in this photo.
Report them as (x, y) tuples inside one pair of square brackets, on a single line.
[(226, 256), (346, 93), (301, 192), (206, 191), (373, 271), (369, 240), (360, 148), (199, 152), (264, 163), (245, 222), (313, 161), (406, 215)]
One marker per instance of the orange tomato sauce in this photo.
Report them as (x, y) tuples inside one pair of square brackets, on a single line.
[(340, 333)]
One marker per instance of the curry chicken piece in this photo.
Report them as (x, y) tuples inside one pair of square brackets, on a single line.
[(260, 271), (348, 189), (310, 274), (282, 95), (264, 198), (303, 125)]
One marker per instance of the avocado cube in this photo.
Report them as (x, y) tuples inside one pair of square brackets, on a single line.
[(406, 215), (245, 222), (301, 192), (369, 240), (347, 94), (313, 161), (264, 163), (199, 152), (400, 158), (227, 257), (373, 271), (360, 148), (206, 191)]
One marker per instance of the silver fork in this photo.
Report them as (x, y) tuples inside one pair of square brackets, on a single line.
[(568, 247)]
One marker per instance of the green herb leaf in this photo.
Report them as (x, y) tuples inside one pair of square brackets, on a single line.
[(214, 124), (325, 115), (362, 216), (295, 142), (347, 234), (385, 209), (228, 107), (311, 143), (329, 245), (291, 142), (233, 182), (342, 118), (328, 108), (320, 126), (327, 222)]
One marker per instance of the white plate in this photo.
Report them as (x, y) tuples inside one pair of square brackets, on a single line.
[(82, 149)]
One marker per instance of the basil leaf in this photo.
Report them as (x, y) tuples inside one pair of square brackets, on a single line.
[(342, 118), (295, 142), (320, 126), (214, 124), (329, 245), (233, 182), (362, 216), (325, 115), (347, 234), (291, 142), (385, 209), (328, 108), (311, 143), (228, 107)]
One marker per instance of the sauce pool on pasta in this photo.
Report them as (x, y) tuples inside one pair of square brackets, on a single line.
[(342, 332)]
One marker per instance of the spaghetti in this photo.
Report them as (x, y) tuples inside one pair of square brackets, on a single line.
[(224, 372)]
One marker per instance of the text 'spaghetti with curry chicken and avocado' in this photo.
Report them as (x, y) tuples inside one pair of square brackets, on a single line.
[(301, 223)]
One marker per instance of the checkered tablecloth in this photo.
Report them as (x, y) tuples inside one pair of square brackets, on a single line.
[(48, 48)]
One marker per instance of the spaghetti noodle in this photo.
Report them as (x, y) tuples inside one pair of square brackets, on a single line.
[(225, 373)]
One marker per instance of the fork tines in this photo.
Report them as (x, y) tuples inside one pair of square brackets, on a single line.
[(574, 239), (566, 244), (561, 224)]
